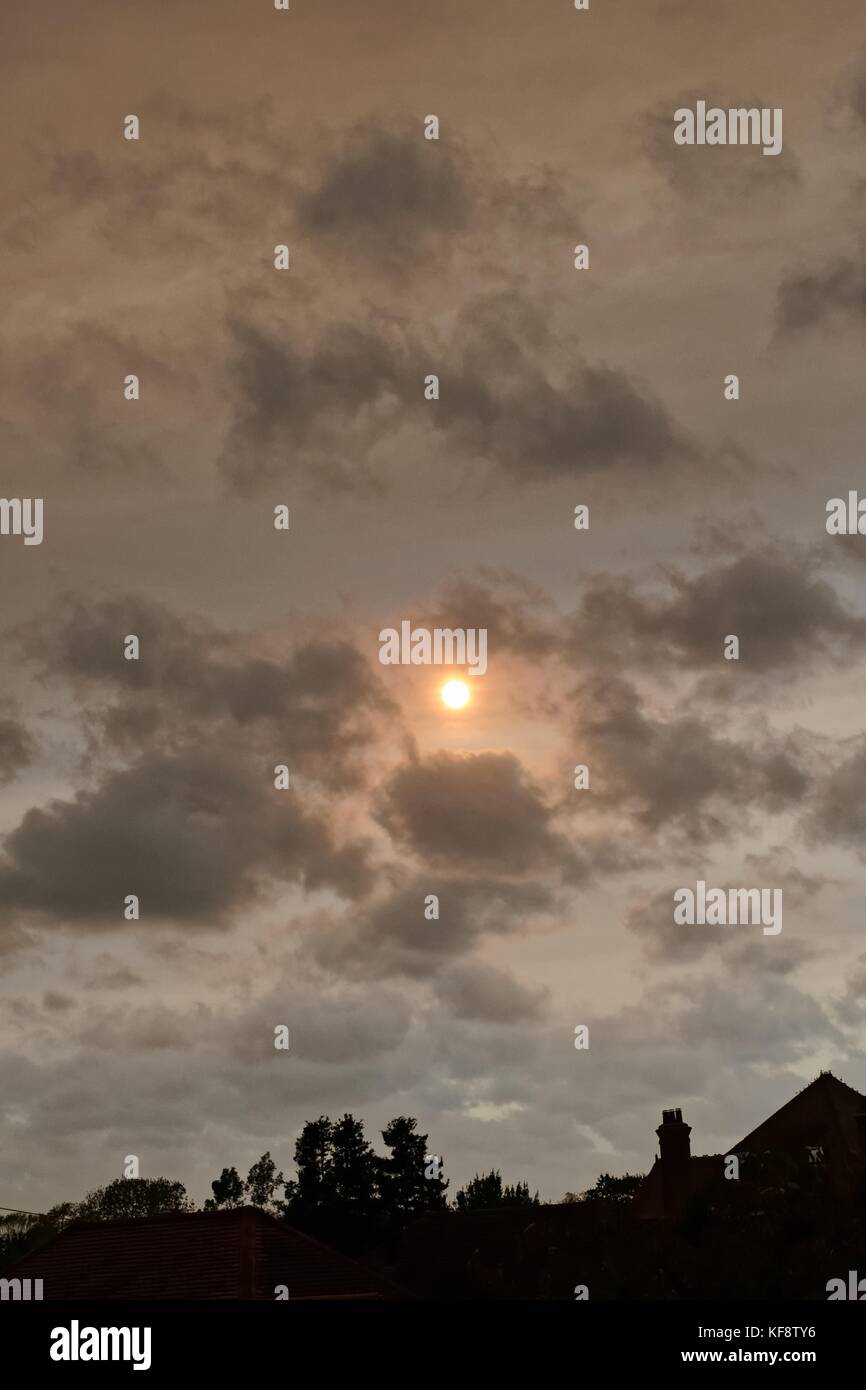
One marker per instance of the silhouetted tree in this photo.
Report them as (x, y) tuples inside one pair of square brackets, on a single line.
[(20, 1231), (409, 1180), (313, 1189), (353, 1170), (481, 1192), (518, 1196), (263, 1182), (228, 1190), (610, 1189), (486, 1190), (126, 1197)]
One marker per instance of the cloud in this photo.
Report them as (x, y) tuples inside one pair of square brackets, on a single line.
[(538, 411), (857, 92), (389, 196), (475, 990), (394, 937), (330, 1026), (519, 616), (678, 771), (833, 292), (108, 974), (511, 397), (717, 175), (17, 748), (785, 615), (318, 704), (338, 1025), (474, 812), (197, 837), (57, 372), (741, 950), (299, 401), (851, 1006), (837, 811), (392, 201), (195, 175), (763, 1021)]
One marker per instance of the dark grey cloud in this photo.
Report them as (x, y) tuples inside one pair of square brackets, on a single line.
[(828, 294), (512, 396), (196, 837), (476, 990), (520, 618), (786, 616), (678, 771), (385, 197), (316, 705), (836, 813), (393, 936), (390, 196), (474, 812), (297, 402), (56, 1002), (17, 748)]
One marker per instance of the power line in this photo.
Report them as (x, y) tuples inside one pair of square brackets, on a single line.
[(21, 1211)]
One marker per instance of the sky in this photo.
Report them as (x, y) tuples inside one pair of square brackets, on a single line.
[(559, 387)]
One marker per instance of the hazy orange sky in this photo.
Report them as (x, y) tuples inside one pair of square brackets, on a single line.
[(305, 388)]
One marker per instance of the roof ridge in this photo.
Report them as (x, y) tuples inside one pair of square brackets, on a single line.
[(827, 1076), (818, 1084), (87, 1222)]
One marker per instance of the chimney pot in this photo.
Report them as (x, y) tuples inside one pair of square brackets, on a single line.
[(673, 1136), (674, 1158)]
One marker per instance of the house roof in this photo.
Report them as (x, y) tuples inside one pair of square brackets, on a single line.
[(649, 1200), (822, 1113), (237, 1254)]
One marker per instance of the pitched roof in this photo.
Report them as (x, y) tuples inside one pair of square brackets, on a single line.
[(822, 1113), (238, 1254)]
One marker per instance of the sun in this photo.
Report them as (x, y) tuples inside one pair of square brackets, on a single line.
[(455, 694)]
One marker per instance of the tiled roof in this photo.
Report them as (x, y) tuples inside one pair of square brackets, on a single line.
[(823, 1112), (239, 1254)]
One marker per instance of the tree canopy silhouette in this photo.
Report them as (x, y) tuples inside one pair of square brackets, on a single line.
[(409, 1178), (485, 1191), (608, 1188)]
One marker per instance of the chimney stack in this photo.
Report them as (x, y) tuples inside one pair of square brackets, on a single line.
[(675, 1156)]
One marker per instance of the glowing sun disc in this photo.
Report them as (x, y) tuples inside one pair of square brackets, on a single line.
[(455, 694)]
